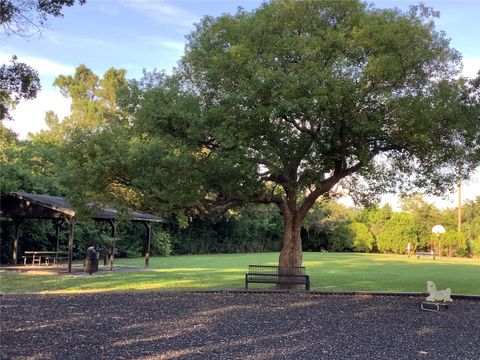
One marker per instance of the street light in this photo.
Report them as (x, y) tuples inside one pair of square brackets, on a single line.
[(438, 230)]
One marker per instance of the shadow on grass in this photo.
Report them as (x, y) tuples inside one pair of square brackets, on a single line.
[(329, 272)]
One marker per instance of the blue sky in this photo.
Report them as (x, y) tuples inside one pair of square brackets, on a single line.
[(137, 34)]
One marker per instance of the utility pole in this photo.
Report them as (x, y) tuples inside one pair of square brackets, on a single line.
[(459, 208)]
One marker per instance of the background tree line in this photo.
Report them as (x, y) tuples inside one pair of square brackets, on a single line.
[(32, 166), (43, 164)]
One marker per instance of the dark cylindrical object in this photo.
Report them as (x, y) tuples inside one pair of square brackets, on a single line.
[(91, 261)]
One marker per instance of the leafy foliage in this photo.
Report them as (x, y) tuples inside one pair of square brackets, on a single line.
[(25, 166), (162, 243), (453, 243), (277, 106), (24, 17), (21, 17), (397, 233), (17, 81), (363, 240), (280, 104), (249, 229)]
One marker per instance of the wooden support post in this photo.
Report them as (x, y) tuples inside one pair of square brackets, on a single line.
[(71, 223), (148, 225), (17, 222), (57, 234), (114, 224), (57, 223)]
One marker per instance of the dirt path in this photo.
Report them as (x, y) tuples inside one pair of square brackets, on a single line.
[(234, 326)]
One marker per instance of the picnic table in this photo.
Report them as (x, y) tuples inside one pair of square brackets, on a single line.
[(48, 257)]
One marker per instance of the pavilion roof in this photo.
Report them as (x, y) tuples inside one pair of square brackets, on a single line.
[(39, 206)]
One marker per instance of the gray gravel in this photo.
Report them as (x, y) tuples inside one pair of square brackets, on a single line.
[(235, 326)]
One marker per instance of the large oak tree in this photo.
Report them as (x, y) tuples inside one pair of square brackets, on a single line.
[(280, 104)]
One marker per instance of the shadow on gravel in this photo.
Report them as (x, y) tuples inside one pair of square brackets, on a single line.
[(234, 326)]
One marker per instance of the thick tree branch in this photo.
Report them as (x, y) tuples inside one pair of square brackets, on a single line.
[(325, 187), (302, 128)]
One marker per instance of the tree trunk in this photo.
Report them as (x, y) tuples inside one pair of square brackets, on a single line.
[(293, 215), (291, 255)]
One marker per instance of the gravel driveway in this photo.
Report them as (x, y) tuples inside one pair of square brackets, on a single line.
[(235, 326)]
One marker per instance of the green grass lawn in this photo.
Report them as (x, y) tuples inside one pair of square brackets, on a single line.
[(329, 272)]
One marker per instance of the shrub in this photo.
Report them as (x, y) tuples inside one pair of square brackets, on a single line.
[(342, 237), (161, 243), (475, 247), (452, 243), (397, 233), (362, 238)]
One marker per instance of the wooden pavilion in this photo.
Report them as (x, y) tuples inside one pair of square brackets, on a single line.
[(20, 206)]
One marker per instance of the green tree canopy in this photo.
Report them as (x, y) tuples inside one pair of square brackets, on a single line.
[(280, 104), (397, 233), (362, 239), (424, 217)]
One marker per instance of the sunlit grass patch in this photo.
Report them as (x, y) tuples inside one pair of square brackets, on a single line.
[(328, 271)]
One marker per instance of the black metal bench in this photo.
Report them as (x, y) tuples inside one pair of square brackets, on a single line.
[(267, 274), (425, 254)]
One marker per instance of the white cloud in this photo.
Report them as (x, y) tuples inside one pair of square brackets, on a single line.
[(470, 67), (165, 43), (80, 42), (50, 36), (29, 116), (44, 66), (103, 7), (163, 12)]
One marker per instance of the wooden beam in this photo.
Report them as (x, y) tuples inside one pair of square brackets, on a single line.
[(57, 223), (71, 223), (114, 224), (148, 225), (459, 209), (17, 222)]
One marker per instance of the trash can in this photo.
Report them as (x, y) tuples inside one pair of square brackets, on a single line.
[(91, 261)]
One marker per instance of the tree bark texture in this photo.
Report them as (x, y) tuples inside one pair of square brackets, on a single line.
[(291, 255)]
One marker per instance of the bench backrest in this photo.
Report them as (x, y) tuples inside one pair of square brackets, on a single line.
[(270, 269)]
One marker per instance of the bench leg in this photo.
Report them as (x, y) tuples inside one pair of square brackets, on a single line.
[(307, 283), (246, 282)]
